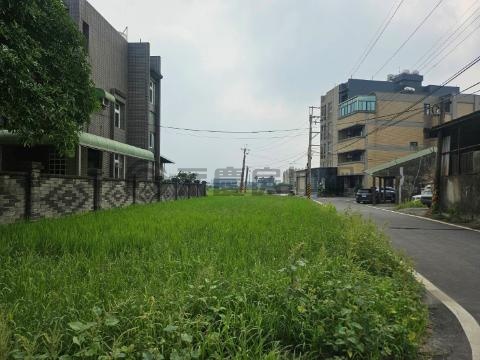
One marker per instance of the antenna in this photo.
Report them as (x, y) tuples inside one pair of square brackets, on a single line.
[(124, 33)]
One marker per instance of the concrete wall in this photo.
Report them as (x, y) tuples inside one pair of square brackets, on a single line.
[(462, 193)]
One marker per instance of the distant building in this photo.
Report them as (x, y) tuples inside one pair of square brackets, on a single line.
[(360, 128), (123, 138), (289, 176)]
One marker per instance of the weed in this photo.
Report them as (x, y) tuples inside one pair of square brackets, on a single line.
[(218, 277)]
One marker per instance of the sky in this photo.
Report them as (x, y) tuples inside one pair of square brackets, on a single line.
[(248, 65)]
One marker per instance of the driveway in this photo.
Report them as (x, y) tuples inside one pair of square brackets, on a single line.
[(448, 256)]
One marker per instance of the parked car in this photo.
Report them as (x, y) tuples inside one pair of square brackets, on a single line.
[(390, 193), (426, 198), (365, 196)]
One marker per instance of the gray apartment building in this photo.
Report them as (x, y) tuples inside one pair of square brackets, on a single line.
[(123, 138), (360, 126)]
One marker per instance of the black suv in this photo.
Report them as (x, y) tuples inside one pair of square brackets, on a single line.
[(364, 196), (389, 194)]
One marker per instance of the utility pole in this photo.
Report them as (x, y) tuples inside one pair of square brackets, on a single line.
[(245, 152), (246, 181), (312, 119)]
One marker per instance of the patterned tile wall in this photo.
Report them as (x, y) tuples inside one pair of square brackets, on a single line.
[(12, 198), (116, 193), (56, 196)]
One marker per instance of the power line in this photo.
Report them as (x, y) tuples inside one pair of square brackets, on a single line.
[(237, 138), (453, 49), (408, 38), (393, 122), (232, 132), (427, 55), (371, 45)]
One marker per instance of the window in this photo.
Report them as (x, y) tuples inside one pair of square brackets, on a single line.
[(427, 109), (151, 140), (353, 131), (413, 145), (446, 106), (118, 166), (358, 104), (151, 92), (151, 118), (56, 163), (351, 156), (86, 34), (117, 119)]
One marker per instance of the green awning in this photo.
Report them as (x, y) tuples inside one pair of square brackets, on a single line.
[(103, 94), (100, 143), (94, 142), (401, 160)]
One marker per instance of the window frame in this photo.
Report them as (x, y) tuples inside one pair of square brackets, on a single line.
[(118, 166), (151, 92), (151, 140), (57, 164), (117, 111)]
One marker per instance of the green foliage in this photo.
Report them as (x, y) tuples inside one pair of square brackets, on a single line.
[(183, 176), (410, 204), (47, 94), (218, 277)]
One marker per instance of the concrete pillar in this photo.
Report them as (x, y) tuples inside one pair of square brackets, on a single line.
[(158, 181), (31, 196), (134, 189), (97, 188), (197, 188), (397, 190), (436, 199), (175, 187)]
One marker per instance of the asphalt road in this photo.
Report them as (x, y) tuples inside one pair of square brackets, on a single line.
[(448, 256)]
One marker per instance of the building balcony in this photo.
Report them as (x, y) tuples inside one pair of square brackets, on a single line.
[(365, 104), (351, 132), (350, 144), (357, 155)]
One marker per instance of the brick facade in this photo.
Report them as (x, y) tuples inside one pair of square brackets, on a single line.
[(33, 195), (12, 197)]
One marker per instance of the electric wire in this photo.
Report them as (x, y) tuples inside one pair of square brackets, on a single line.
[(232, 132), (375, 39), (395, 120), (449, 40), (449, 31), (408, 38)]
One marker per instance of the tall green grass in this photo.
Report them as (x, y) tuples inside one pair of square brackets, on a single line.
[(219, 277)]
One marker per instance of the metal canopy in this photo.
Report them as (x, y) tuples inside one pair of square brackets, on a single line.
[(401, 160), (95, 142), (103, 94), (109, 145)]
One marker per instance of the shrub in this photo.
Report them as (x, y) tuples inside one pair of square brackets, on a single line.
[(410, 204)]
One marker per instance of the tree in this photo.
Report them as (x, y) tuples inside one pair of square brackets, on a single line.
[(183, 176), (46, 92)]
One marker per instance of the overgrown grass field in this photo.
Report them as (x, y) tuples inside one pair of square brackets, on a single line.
[(219, 277)]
